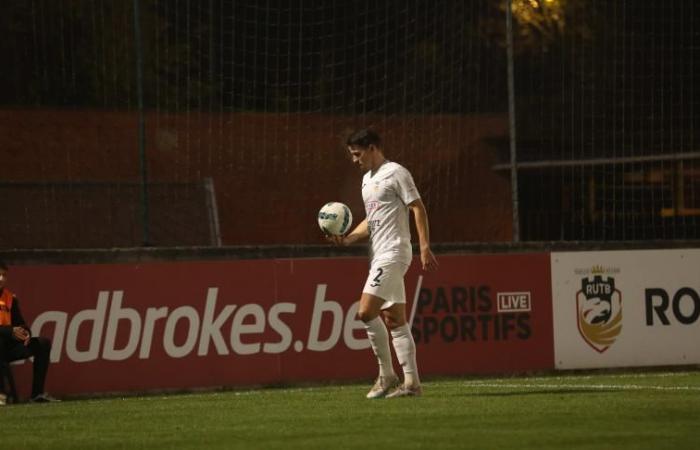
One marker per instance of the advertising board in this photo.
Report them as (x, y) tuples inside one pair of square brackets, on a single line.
[(185, 325), (626, 308)]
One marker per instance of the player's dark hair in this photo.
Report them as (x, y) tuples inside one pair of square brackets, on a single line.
[(4, 266), (364, 138)]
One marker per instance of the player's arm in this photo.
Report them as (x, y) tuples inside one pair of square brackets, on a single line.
[(360, 232), (20, 330), (420, 215)]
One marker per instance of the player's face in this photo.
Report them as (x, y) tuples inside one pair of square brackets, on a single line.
[(362, 157)]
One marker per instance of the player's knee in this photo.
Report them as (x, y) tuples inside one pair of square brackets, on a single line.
[(363, 315), (44, 343), (391, 323), (366, 315)]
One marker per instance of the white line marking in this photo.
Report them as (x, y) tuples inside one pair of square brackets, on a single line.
[(620, 387), (415, 300), (612, 375), (570, 377)]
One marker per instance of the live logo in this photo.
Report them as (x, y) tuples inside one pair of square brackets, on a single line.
[(513, 301)]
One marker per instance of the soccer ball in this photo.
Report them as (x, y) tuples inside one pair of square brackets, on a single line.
[(335, 218)]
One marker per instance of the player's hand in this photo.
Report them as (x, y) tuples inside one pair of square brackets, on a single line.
[(21, 334), (336, 240), (428, 261)]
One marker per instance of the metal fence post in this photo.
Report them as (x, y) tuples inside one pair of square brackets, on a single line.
[(138, 43), (511, 120)]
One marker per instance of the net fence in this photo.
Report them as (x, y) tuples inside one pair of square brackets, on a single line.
[(607, 120), (183, 122), (87, 214)]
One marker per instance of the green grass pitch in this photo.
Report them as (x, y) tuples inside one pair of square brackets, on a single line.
[(621, 410)]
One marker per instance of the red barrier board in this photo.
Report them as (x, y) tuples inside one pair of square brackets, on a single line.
[(485, 314), (184, 325)]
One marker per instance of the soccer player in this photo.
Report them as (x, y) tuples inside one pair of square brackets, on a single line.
[(389, 193)]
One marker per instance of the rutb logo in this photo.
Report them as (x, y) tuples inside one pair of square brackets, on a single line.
[(599, 312)]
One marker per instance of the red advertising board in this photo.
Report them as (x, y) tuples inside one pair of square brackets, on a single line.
[(184, 325), (484, 314)]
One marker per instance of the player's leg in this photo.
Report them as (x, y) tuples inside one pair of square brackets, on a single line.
[(369, 312), (387, 284), (40, 349), (14, 350), (6, 346), (405, 348)]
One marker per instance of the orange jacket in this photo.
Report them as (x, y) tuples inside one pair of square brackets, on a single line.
[(6, 300)]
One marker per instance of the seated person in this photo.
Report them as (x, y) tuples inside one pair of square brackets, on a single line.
[(17, 343)]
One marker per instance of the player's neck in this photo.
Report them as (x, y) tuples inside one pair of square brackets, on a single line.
[(378, 165)]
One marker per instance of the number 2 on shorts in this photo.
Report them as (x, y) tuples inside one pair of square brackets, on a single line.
[(377, 279)]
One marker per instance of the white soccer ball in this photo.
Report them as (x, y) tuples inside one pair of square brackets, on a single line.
[(335, 218)]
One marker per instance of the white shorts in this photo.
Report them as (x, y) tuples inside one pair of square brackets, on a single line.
[(385, 280)]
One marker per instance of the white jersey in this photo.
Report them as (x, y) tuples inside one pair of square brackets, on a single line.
[(387, 194)]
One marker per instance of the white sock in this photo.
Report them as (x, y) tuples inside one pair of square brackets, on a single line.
[(405, 348), (379, 338)]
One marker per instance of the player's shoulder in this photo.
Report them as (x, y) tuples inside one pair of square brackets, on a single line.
[(397, 170), (393, 166)]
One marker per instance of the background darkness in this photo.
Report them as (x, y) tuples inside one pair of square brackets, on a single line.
[(599, 79)]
